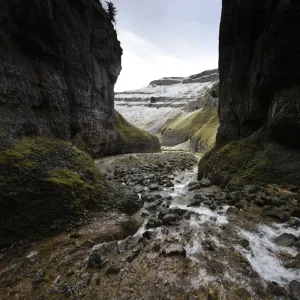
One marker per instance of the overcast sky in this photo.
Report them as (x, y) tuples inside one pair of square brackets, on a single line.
[(166, 38)]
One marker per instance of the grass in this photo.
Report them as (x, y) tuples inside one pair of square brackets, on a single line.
[(134, 139), (205, 137), (128, 131), (199, 126)]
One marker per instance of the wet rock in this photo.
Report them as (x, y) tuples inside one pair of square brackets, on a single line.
[(208, 245), (251, 189), (39, 277), (195, 202), (153, 223), (74, 236), (97, 258), (153, 186), (294, 289), (259, 202), (205, 182), (177, 211), (169, 184), (275, 289), (154, 205), (296, 212), (282, 215), (232, 211), (147, 235), (150, 197), (285, 240), (162, 213), (294, 223), (213, 206), (156, 246), (297, 245), (174, 250), (168, 168), (112, 269), (145, 213), (235, 197), (139, 189), (169, 218), (194, 187), (293, 264), (245, 243), (133, 254)]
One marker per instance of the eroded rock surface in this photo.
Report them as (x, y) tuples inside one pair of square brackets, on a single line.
[(259, 93)]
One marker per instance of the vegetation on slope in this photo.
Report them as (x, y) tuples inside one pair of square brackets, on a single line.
[(199, 126), (133, 139), (251, 161), (205, 138), (46, 186)]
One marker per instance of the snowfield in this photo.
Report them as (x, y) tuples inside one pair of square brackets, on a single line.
[(170, 102)]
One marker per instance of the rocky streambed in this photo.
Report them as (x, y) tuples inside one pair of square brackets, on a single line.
[(190, 240)]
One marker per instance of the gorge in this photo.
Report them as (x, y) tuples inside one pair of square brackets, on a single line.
[(185, 189)]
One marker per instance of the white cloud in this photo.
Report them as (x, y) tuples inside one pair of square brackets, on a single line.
[(143, 61)]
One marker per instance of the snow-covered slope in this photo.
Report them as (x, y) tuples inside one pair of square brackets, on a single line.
[(166, 99)]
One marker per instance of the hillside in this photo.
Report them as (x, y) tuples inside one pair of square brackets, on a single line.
[(174, 108)]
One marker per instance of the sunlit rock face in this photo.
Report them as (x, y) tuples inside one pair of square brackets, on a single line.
[(59, 63), (259, 70)]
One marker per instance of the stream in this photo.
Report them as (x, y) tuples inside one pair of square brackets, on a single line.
[(191, 243)]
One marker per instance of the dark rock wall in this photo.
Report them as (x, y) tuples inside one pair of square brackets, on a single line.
[(59, 61), (259, 68)]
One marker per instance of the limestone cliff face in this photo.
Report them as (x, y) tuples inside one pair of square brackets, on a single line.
[(59, 61), (259, 105), (259, 70)]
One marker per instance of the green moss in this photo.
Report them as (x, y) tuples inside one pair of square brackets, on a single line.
[(182, 130), (47, 182), (168, 123), (19, 151), (133, 139), (206, 135), (128, 131), (252, 161), (64, 177)]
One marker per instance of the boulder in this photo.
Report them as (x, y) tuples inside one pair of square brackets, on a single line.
[(205, 182), (294, 289), (98, 257), (285, 240), (153, 186), (153, 223), (282, 215), (150, 197), (169, 218)]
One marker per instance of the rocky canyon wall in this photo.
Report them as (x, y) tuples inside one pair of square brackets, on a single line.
[(259, 86), (60, 61)]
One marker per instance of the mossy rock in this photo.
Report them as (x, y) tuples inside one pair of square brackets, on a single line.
[(133, 139), (252, 160), (47, 185)]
